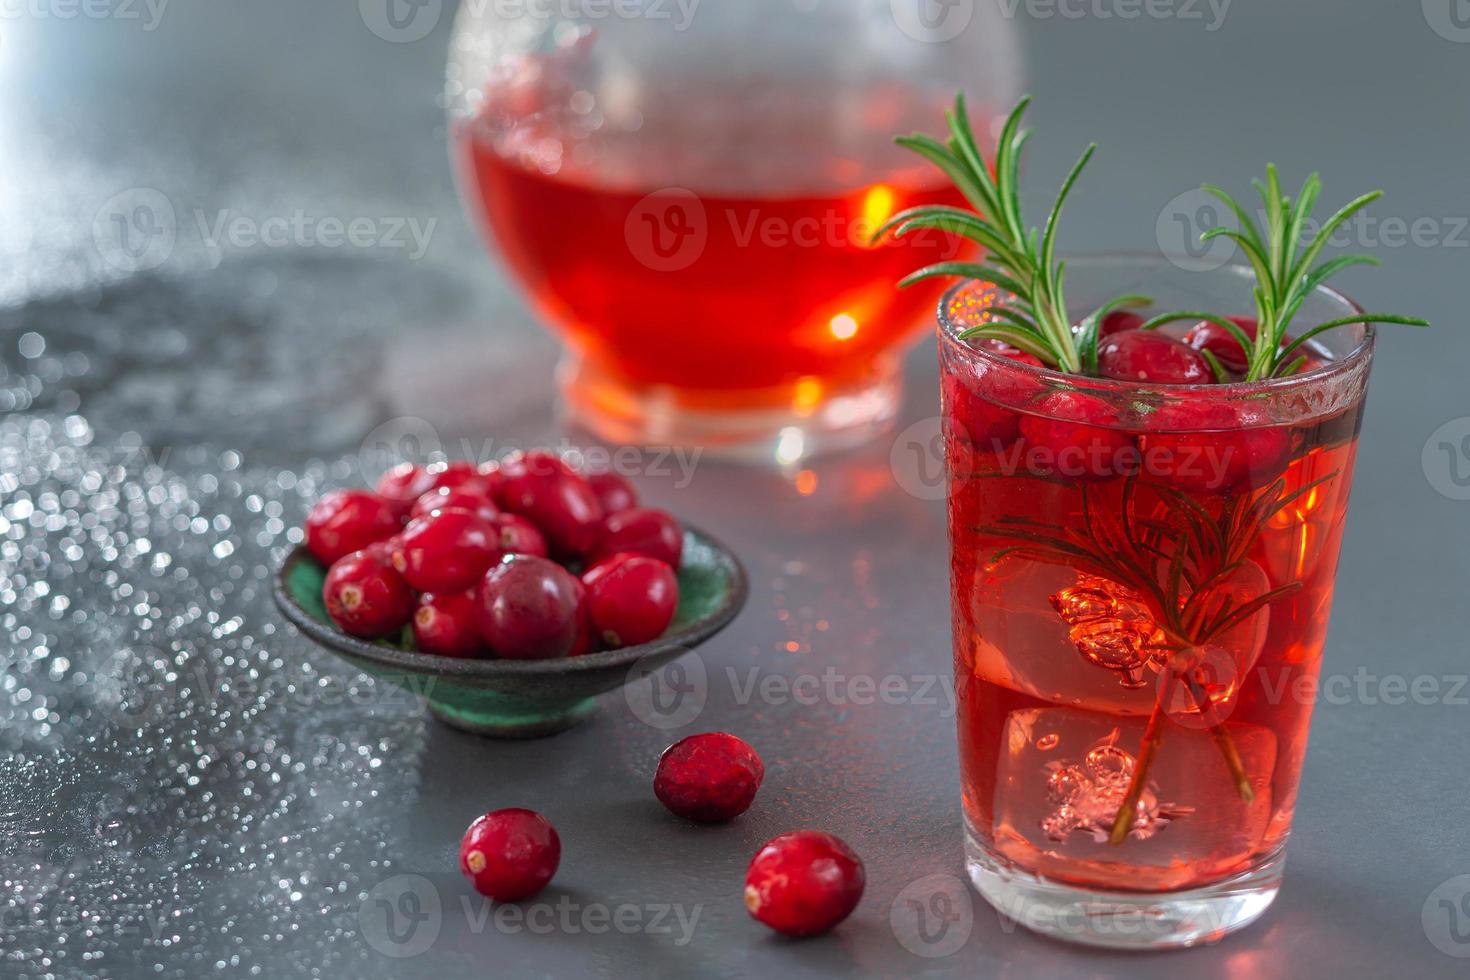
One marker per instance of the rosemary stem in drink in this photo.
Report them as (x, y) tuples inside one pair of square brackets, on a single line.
[(1152, 735)]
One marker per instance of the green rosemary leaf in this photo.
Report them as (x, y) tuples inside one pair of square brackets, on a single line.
[(1049, 237), (1309, 283), (1259, 260), (1242, 217), (967, 270), (944, 218), (939, 155), (1216, 368), (1017, 338), (1328, 229), (1305, 201), (1408, 321)]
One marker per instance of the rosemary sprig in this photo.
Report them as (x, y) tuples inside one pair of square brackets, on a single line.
[(1285, 273), (1158, 559), (1021, 262)]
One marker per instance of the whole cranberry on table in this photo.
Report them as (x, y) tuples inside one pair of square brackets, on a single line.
[(366, 597), (445, 551), (509, 854), (640, 531), (631, 599), (804, 883), (708, 778), (344, 521), (529, 608), (542, 488)]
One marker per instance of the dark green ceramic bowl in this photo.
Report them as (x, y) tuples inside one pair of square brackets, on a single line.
[(524, 698)]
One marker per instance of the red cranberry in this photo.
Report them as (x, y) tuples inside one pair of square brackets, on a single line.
[(460, 498), (1214, 338), (509, 854), (528, 609), (804, 883), (402, 485), (1147, 355), (461, 475), (1213, 446), (515, 536), (1075, 435), (444, 624), (1119, 321), (345, 521), (366, 597), (613, 492), (586, 641), (631, 599), (988, 422), (446, 551), (490, 473), (709, 778), (641, 531), (546, 491)]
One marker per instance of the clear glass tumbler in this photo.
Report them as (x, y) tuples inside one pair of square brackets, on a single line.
[(1141, 579), (687, 191)]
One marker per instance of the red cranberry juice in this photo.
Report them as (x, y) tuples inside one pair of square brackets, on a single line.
[(1072, 594)]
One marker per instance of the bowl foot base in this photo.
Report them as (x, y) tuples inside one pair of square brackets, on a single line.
[(513, 724)]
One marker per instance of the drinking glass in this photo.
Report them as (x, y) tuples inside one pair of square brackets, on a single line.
[(686, 192), (1140, 602)]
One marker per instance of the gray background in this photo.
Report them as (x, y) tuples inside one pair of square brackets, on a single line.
[(236, 832)]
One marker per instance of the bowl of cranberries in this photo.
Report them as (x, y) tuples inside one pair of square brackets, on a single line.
[(507, 595)]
